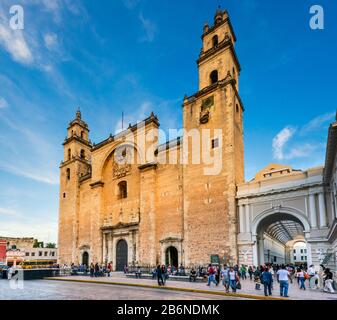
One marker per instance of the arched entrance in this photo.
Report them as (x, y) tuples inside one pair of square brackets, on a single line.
[(171, 256), (121, 255), (274, 232), (85, 258)]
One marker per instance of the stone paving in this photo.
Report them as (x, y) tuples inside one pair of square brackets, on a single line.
[(248, 287), (58, 290)]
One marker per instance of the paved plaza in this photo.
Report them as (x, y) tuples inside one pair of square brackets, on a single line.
[(107, 288), (59, 290), (248, 287)]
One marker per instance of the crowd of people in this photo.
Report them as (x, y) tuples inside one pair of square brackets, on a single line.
[(230, 276), (268, 274)]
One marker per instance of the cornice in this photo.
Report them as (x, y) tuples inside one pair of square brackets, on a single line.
[(226, 43), (97, 184), (111, 138), (279, 191), (151, 165), (74, 159), (213, 87), (78, 139)]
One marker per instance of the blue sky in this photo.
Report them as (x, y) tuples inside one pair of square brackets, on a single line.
[(139, 56)]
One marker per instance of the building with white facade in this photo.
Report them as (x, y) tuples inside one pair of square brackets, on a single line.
[(290, 216)]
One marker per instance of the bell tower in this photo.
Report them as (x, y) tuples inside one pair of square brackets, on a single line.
[(217, 58), (75, 165), (215, 112)]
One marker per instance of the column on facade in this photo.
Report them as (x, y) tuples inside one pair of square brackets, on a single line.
[(313, 214), (241, 218), (309, 254), (247, 207), (261, 250), (255, 253), (104, 248), (322, 210), (109, 248)]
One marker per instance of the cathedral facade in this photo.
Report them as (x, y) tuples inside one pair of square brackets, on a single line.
[(130, 200)]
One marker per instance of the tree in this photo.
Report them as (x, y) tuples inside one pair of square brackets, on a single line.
[(51, 245)]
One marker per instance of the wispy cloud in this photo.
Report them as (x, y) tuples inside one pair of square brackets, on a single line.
[(40, 167), (318, 122), (44, 231), (3, 103), (8, 212), (131, 4), (149, 27), (281, 140), (50, 41), (298, 147), (14, 42)]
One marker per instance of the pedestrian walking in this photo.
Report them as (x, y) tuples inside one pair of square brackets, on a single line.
[(92, 269), (328, 280), (211, 275), (283, 278), (225, 277), (257, 278), (159, 275), (233, 279), (243, 272), (301, 278), (267, 281), (250, 272)]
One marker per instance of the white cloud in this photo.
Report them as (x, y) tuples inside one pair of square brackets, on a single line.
[(3, 103), (8, 212), (131, 4), (44, 231), (51, 41), (39, 166), (301, 149), (149, 27), (318, 122), (15, 44), (30, 173), (281, 140)]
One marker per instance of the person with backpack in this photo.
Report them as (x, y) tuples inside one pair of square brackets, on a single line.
[(257, 278), (267, 281), (211, 275)]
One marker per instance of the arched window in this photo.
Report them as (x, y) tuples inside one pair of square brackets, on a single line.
[(69, 154), (214, 76), (82, 134), (122, 190), (68, 174), (82, 154), (215, 41)]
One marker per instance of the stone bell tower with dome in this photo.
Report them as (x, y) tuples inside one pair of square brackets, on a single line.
[(210, 206)]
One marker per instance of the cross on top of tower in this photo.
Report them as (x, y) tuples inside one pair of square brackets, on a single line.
[(78, 114)]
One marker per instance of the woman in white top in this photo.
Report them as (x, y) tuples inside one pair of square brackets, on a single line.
[(301, 277)]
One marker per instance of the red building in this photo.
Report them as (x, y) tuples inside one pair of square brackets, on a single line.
[(3, 247)]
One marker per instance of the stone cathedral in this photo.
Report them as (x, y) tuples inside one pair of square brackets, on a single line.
[(126, 201), (148, 212)]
